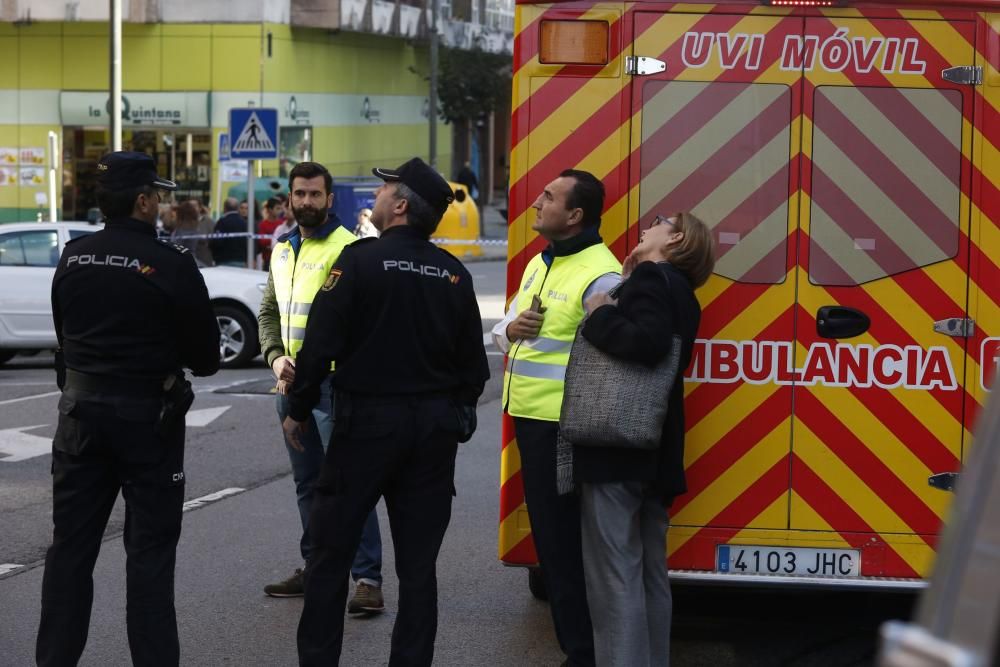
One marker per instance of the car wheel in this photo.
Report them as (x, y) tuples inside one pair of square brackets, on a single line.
[(536, 583), (238, 342), (7, 355)]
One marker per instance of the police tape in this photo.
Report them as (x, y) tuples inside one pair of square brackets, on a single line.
[(243, 235), (481, 242)]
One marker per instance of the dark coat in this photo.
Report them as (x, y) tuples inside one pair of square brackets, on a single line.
[(126, 305), (400, 318), (231, 250), (649, 312)]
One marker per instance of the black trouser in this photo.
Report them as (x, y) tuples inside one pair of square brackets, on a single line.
[(106, 443), (555, 529), (403, 449)]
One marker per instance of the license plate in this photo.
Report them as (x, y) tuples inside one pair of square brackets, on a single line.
[(788, 561)]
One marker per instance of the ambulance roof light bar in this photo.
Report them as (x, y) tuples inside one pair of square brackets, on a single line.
[(806, 3)]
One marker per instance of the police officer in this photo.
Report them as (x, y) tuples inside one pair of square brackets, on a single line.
[(130, 311), (399, 317)]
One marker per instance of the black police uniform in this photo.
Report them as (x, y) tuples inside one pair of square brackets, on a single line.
[(400, 318), (130, 311)]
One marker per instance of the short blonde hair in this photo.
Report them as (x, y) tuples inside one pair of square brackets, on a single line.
[(694, 256)]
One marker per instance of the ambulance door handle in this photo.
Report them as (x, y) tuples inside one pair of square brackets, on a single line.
[(841, 322)]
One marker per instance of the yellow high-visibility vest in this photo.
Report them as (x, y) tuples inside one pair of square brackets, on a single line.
[(536, 367), (298, 277)]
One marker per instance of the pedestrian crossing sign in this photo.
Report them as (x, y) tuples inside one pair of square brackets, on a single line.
[(253, 134)]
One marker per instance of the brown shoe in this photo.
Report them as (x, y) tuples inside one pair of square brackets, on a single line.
[(289, 588), (367, 600)]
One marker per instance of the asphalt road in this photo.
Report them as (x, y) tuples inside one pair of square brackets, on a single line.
[(234, 544)]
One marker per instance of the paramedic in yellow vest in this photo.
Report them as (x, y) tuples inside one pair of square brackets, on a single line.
[(537, 335), (300, 263)]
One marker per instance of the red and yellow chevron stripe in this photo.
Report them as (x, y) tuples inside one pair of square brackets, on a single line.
[(837, 168)]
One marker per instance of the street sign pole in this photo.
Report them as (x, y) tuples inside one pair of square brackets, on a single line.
[(223, 157), (53, 173), (251, 263)]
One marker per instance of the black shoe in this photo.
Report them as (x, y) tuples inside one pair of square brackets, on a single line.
[(367, 600), (289, 588)]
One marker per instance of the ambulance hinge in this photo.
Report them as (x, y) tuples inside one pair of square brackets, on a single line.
[(944, 481), (644, 66), (959, 327), (966, 75)]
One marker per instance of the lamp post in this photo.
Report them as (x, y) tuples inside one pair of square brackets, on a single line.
[(432, 101), (116, 75)]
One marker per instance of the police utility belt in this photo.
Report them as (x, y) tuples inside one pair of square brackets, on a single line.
[(174, 392)]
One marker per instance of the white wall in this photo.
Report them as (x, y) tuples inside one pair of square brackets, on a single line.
[(225, 11), (178, 11)]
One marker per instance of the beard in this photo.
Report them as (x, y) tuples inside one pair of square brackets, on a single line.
[(307, 216)]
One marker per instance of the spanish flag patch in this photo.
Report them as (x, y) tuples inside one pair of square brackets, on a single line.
[(331, 280)]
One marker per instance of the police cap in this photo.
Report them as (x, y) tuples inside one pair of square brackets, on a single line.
[(422, 179), (125, 170)]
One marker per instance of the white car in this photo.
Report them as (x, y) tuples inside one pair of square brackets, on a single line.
[(29, 253)]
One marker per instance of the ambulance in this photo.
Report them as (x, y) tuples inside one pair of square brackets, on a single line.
[(847, 156)]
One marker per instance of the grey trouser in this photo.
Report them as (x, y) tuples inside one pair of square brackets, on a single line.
[(625, 565)]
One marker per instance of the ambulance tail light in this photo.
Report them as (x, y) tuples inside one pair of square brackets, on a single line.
[(573, 42)]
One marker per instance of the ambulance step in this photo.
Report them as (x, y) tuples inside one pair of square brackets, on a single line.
[(772, 580)]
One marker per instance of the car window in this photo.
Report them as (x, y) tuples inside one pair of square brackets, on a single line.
[(31, 248)]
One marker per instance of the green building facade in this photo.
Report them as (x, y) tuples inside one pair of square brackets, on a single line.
[(349, 100)]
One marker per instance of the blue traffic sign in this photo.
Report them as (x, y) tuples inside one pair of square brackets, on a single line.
[(253, 134)]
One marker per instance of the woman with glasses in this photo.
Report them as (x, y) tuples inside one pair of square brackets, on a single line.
[(625, 493)]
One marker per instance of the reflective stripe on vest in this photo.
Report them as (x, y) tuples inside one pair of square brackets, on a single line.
[(295, 308), (535, 375), (297, 279)]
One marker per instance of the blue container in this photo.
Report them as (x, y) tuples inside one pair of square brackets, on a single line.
[(350, 195)]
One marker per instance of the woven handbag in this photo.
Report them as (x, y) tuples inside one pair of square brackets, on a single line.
[(610, 402)]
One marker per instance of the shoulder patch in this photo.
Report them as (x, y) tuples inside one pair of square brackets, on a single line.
[(331, 280), (173, 246)]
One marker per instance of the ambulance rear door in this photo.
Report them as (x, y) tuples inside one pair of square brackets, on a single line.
[(879, 381), (717, 133)]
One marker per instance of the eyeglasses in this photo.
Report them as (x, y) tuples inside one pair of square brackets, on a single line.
[(664, 220)]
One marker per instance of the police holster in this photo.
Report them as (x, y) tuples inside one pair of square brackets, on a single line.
[(177, 399)]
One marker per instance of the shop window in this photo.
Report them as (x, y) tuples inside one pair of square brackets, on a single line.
[(886, 182), (720, 151)]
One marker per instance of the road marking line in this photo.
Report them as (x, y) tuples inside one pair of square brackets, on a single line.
[(19, 446), (204, 416), (9, 567), (211, 498), (28, 398)]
